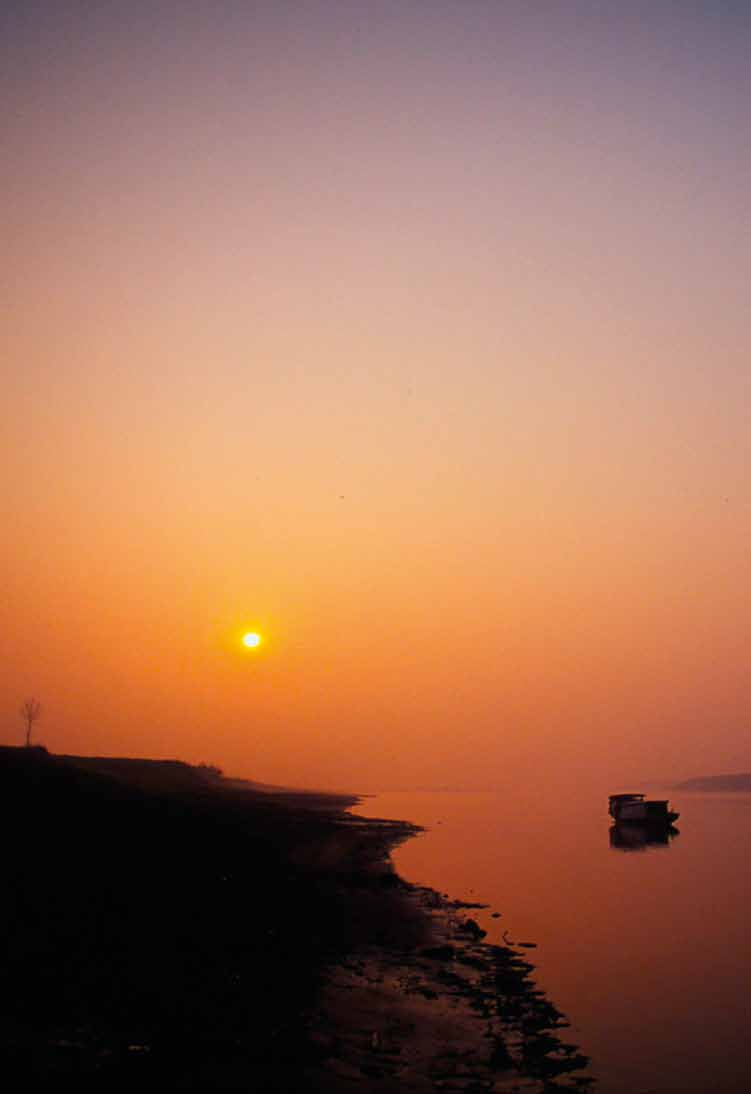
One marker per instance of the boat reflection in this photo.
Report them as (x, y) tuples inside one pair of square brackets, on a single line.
[(641, 837)]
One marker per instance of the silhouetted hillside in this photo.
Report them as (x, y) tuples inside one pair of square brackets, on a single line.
[(717, 782), (163, 775), (176, 777), (173, 936)]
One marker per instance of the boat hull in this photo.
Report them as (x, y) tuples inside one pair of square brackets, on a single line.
[(666, 819)]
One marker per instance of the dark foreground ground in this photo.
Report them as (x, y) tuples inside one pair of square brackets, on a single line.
[(165, 928)]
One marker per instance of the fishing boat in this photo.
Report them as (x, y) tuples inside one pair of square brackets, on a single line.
[(636, 809)]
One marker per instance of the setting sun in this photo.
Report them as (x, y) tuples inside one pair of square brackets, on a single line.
[(251, 640)]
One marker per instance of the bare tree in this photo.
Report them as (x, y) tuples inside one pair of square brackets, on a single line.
[(30, 711)]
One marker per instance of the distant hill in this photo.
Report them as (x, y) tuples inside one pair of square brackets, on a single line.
[(177, 777), (155, 775), (717, 782)]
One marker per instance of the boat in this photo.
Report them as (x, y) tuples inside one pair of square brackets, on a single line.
[(636, 809)]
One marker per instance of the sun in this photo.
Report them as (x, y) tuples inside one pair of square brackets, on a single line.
[(251, 640)]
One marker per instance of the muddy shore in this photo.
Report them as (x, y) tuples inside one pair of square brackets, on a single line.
[(169, 928)]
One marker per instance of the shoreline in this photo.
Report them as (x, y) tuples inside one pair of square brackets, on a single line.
[(450, 1013), (173, 929)]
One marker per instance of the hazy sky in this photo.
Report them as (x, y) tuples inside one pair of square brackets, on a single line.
[(413, 335)]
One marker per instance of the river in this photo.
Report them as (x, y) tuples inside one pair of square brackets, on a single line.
[(645, 948)]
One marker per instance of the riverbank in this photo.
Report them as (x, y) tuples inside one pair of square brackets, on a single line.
[(168, 927), (453, 1015)]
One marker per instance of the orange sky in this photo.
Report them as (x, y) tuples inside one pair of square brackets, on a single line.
[(417, 341)]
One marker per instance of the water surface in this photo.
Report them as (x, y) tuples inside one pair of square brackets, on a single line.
[(644, 947)]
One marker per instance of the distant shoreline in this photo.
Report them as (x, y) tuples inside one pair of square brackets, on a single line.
[(740, 783)]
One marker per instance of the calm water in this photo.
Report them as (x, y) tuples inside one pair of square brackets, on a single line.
[(646, 950)]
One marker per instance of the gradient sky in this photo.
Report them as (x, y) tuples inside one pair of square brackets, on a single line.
[(414, 335)]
